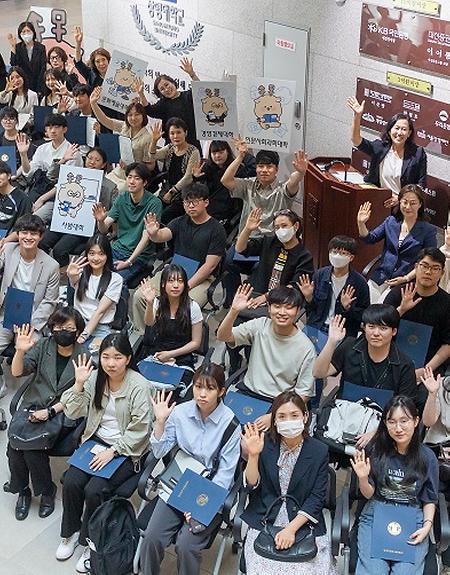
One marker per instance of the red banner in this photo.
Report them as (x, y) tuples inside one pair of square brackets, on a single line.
[(437, 190), (405, 38), (431, 118)]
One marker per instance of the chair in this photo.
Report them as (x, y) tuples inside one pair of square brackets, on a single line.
[(147, 489), (370, 267)]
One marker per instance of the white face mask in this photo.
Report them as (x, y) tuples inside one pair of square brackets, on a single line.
[(285, 234), (338, 260), (27, 38), (291, 428)]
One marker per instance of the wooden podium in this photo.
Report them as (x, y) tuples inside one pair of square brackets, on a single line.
[(330, 207)]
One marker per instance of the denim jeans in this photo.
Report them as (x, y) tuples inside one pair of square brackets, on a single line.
[(131, 271), (232, 279)]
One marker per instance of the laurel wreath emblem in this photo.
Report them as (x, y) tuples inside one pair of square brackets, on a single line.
[(177, 48)]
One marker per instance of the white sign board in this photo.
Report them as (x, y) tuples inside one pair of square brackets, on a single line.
[(215, 110)]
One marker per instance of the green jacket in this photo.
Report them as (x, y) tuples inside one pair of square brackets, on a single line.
[(133, 410)]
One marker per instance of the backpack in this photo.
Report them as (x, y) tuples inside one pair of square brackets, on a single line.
[(113, 538)]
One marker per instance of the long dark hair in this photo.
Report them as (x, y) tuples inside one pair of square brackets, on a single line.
[(183, 315), (121, 343), (384, 446), (57, 74), (286, 397), (218, 146), (419, 193), (103, 243), (386, 136), (19, 70)]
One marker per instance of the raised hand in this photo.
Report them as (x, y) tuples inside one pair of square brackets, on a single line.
[(242, 297), (355, 106), (138, 86), (157, 132), (241, 146), (83, 368), (347, 297), (300, 162), (95, 95), (364, 213), (10, 85), (22, 143), (361, 464), (70, 153), (12, 40), (336, 330), (197, 170), (24, 338), (151, 224), (254, 219), (63, 104), (430, 382), (408, 302), (306, 287), (76, 266), (147, 291), (252, 439), (78, 35), (99, 212), (161, 407), (186, 66)]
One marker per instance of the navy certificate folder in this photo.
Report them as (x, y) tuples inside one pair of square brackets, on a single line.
[(353, 392), (76, 130), (83, 456), (245, 407), (319, 338), (110, 144), (161, 372), (238, 257), (40, 114), (198, 496), (8, 155), (18, 307), (392, 527), (413, 339), (190, 266)]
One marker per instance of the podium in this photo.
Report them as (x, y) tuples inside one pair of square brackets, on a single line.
[(330, 207)]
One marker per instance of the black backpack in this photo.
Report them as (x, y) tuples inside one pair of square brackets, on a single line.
[(114, 533)]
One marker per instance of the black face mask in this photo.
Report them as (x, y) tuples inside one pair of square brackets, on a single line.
[(64, 338)]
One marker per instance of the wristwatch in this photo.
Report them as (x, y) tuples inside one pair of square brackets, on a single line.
[(51, 412)]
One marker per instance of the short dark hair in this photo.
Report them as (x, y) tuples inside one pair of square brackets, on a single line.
[(4, 168), (139, 109), (343, 243), (82, 90), (176, 123), (159, 79), (100, 152), (284, 295), (267, 157), (420, 195), (286, 397), (212, 373), (30, 223), (196, 191), (65, 313), (381, 314), (141, 170), (60, 52), (29, 25), (9, 112), (434, 254), (55, 120)]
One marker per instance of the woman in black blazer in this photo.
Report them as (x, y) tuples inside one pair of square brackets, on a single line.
[(287, 462), (395, 160), (30, 55)]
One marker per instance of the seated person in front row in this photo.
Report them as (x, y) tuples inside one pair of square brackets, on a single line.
[(131, 249), (425, 302), (281, 357), (197, 236), (197, 428), (371, 360), (336, 289), (288, 469), (26, 267)]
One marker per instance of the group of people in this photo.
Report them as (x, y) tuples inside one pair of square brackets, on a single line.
[(80, 361)]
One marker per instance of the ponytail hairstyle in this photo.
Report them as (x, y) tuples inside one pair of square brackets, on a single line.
[(103, 243)]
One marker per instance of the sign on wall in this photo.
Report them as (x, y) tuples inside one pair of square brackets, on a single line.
[(267, 114), (431, 118), (215, 110), (123, 71), (405, 38), (77, 190)]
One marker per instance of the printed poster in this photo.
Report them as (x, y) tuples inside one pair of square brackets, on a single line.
[(215, 109), (77, 190), (268, 114), (123, 70)]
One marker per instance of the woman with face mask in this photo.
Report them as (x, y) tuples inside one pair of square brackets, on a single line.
[(30, 55), (288, 470), (49, 362)]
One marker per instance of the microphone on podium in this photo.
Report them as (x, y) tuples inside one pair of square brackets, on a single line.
[(328, 166)]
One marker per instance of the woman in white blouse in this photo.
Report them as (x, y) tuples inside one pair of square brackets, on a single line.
[(17, 94)]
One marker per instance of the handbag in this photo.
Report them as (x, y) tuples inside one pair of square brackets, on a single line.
[(304, 547), (40, 436)]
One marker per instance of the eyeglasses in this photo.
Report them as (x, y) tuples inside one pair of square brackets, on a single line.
[(194, 203), (55, 57), (427, 268), (412, 204), (404, 422)]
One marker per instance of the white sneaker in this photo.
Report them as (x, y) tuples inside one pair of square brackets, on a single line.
[(67, 547), (82, 565)]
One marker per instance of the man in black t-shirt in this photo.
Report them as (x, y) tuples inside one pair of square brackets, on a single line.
[(197, 236), (423, 301), (13, 204)]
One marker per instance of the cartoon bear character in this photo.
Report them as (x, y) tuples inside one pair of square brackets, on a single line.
[(214, 107), (268, 108), (71, 196), (123, 80)]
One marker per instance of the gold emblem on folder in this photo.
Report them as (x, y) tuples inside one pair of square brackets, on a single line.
[(247, 410), (413, 339), (202, 499), (394, 528), (164, 373)]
